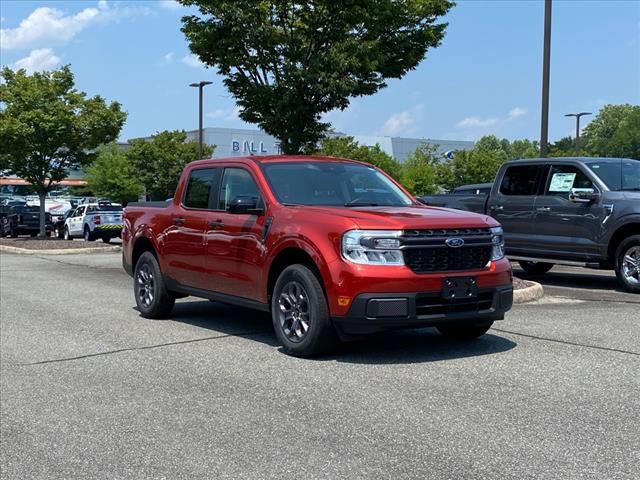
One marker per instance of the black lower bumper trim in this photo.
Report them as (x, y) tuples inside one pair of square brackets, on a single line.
[(425, 309)]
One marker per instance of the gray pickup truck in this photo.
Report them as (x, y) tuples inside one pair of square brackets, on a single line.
[(566, 211)]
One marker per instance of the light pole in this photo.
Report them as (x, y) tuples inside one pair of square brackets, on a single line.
[(200, 86), (546, 60), (577, 115)]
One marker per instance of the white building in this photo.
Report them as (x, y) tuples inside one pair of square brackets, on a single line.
[(234, 142)]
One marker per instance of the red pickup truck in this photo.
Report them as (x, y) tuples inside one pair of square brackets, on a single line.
[(333, 248)]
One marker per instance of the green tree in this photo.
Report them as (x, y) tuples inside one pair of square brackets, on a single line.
[(480, 164), (112, 175), (287, 62), (424, 171), (48, 127), (565, 147), (347, 147), (524, 149), (158, 163), (614, 132)]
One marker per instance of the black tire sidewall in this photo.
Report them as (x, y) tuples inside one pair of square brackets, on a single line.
[(67, 235), (535, 268), (87, 234), (162, 301), (321, 334), (627, 243)]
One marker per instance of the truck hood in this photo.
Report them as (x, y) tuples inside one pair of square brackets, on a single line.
[(404, 218)]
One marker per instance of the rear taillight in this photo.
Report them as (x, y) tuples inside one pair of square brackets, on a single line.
[(96, 220)]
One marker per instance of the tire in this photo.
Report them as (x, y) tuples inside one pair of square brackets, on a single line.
[(106, 239), (289, 317), (464, 331), (535, 268), (627, 253), (59, 233), (152, 297), (33, 234), (13, 231), (87, 235), (66, 234)]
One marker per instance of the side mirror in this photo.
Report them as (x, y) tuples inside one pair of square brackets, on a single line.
[(583, 195), (244, 204)]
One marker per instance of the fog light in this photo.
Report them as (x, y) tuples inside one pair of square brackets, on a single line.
[(344, 301)]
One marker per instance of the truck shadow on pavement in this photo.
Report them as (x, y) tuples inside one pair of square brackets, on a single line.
[(402, 346), (584, 281)]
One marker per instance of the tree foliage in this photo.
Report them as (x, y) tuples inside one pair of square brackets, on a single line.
[(112, 175), (47, 127), (158, 163), (288, 62), (424, 171), (347, 147), (614, 132)]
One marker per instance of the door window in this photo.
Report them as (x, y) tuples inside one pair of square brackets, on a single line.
[(563, 178), (199, 188), (522, 180), (236, 182)]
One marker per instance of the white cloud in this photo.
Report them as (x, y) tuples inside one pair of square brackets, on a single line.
[(40, 59), (227, 115), (193, 61), (168, 58), (398, 123), (219, 113), (169, 4), (476, 122), (45, 25), (517, 112)]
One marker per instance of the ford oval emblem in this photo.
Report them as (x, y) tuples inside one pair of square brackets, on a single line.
[(454, 242)]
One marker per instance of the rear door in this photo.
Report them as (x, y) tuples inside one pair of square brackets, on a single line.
[(564, 227), (514, 202), (184, 240), (235, 253)]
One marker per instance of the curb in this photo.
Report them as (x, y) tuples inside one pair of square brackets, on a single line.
[(66, 251), (529, 294)]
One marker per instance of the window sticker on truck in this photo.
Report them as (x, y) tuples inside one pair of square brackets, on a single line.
[(562, 182)]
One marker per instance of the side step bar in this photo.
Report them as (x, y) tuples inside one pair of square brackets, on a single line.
[(555, 261)]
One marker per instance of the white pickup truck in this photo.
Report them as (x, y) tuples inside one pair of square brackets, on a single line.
[(95, 220)]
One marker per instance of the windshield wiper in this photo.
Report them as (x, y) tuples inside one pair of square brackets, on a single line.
[(355, 203)]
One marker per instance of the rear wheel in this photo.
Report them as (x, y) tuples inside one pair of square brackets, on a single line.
[(300, 314), (464, 331), (88, 236), (106, 239), (13, 231), (152, 298), (628, 264), (536, 268)]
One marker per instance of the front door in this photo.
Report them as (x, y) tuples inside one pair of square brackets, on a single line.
[(235, 253), (75, 223), (513, 205), (564, 227)]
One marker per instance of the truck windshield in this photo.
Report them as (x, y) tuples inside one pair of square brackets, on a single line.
[(622, 175), (332, 184)]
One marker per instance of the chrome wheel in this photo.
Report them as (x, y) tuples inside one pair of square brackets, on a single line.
[(631, 266), (145, 284), (294, 311)]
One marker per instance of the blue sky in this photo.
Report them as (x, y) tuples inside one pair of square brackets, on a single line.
[(485, 78)]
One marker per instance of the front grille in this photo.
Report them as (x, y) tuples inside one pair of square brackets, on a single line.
[(430, 305), (425, 251)]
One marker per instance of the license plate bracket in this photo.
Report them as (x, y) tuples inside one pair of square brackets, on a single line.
[(459, 288)]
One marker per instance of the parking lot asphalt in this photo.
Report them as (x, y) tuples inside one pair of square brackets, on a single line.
[(89, 389)]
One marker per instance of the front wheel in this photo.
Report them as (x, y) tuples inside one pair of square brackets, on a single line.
[(628, 264), (300, 314), (152, 298), (67, 235), (13, 231), (88, 236), (536, 268), (464, 331)]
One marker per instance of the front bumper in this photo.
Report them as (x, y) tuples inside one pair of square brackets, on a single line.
[(376, 312)]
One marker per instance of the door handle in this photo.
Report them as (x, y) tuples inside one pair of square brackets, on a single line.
[(178, 221), (543, 209), (216, 224), (497, 207)]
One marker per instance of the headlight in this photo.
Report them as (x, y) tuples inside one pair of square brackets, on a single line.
[(372, 247), (497, 239)]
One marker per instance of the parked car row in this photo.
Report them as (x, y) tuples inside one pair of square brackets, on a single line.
[(22, 219), (567, 211)]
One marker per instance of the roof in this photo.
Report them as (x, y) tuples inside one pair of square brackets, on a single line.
[(572, 159), (281, 158)]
